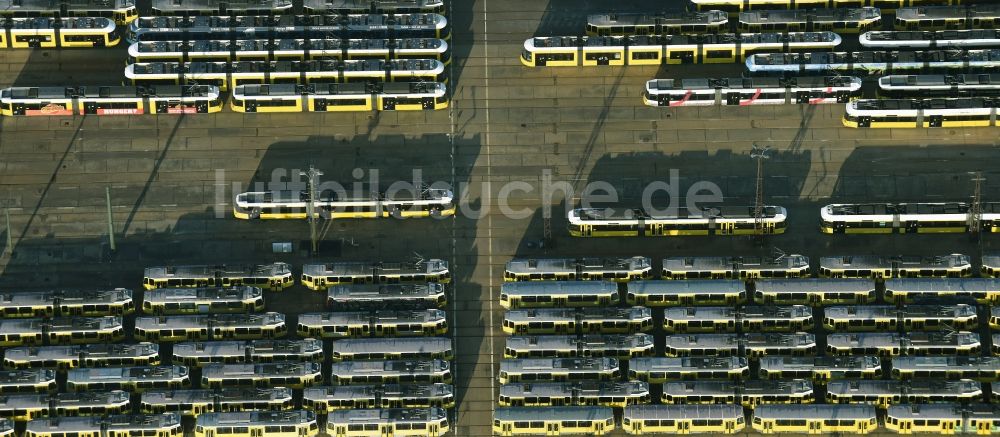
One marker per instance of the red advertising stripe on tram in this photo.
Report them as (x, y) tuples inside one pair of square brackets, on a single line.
[(119, 111), (753, 98), (684, 99), (182, 110), (50, 109), (829, 90)]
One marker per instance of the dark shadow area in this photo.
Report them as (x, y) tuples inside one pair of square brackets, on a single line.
[(934, 173), (569, 17)]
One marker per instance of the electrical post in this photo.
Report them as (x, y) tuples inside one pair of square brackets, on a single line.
[(312, 176), (111, 223), (976, 209), (759, 154), (9, 248)]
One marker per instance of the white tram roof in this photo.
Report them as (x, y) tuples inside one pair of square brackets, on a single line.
[(826, 361), (755, 339), (734, 262), (141, 69), (948, 12), (70, 25), (573, 314), (387, 415), (116, 373), (228, 394), (72, 5), (927, 35), (101, 398), (583, 388), (295, 91), (717, 212), (201, 294), (569, 364), (96, 350), (259, 369), (811, 15), (175, 6), (684, 411), (889, 209), (584, 342), (338, 5), (926, 80), (795, 39), (244, 418), (383, 391), (364, 268), (933, 104), (656, 86), (123, 422), (936, 411), (26, 376), (991, 260), (943, 285), (304, 347), (385, 291), (889, 339), (118, 295), (377, 316), (688, 363), (559, 287), (816, 411), (391, 366), (894, 386), (210, 271), (224, 47), (363, 193), (571, 265), (60, 324), (687, 287), (23, 400), (392, 344), (806, 285), (751, 387), (332, 22), (889, 311), (554, 413), (991, 363), (216, 320), (628, 19), (746, 312)]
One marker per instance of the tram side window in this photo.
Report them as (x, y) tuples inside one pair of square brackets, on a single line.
[(33, 38), (277, 102), (81, 38), (346, 102), (556, 57)]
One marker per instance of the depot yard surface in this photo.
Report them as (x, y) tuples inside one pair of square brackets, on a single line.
[(172, 177)]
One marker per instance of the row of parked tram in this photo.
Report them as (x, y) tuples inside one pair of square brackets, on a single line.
[(934, 69), (789, 271), (851, 218), (378, 365), (846, 19), (357, 55), (895, 348)]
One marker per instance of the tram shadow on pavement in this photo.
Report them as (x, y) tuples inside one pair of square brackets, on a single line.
[(569, 17), (365, 161), (798, 181)]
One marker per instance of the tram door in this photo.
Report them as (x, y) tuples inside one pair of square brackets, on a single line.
[(936, 121), (256, 432), (551, 429)]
